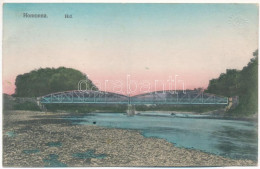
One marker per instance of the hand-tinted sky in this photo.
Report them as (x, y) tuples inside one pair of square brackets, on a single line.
[(147, 41)]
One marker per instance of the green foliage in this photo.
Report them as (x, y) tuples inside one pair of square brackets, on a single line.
[(27, 106), (87, 108), (242, 83), (8, 102), (121, 108), (226, 85), (49, 80), (181, 108)]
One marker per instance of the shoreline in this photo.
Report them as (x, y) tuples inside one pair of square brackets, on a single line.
[(211, 114), (34, 130)]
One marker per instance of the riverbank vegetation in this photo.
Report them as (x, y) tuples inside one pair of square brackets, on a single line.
[(41, 82), (87, 108), (180, 108), (121, 108), (242, 83), (17, 103)]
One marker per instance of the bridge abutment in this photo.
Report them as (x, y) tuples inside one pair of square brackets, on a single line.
[(232, 102), (41, 106), (130, 109)]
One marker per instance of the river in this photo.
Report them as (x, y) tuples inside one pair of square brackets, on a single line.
[(228, 138)]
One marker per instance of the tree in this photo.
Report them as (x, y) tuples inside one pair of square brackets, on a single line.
[(227, 84), (242, 83), (49, 80)]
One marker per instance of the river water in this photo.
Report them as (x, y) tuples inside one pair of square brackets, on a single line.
[(229, 138)]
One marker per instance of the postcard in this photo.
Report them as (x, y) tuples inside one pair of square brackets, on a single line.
[(130, 84)]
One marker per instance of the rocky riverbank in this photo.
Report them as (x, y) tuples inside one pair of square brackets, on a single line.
[(37, 139)]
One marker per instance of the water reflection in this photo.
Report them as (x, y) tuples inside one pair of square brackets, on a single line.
[(231, 142)]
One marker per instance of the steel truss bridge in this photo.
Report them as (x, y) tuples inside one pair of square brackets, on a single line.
[(190, 97)]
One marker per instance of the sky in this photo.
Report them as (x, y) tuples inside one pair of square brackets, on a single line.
[(122, 42)]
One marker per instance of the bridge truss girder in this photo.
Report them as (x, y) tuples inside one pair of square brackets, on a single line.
[(161, 97)]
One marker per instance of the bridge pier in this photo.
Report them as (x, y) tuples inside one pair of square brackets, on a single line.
[(130, 109)]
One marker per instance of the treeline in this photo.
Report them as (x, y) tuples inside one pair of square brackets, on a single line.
[(49, 80), (179, 108), (122, 108), (242, 83), (87, 108), (18, 103)]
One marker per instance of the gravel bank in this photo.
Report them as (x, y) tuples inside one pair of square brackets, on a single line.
[(36, 139)]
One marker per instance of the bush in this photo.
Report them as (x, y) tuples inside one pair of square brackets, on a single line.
[(27, 106)]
